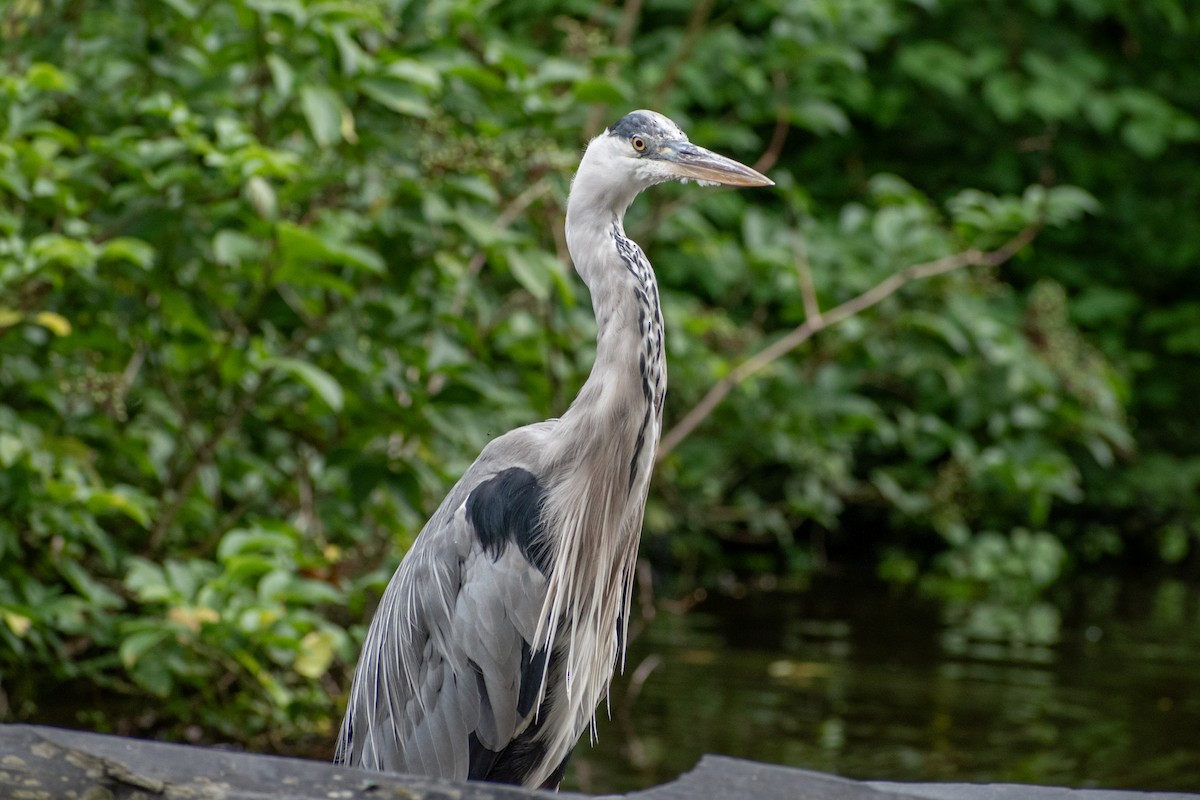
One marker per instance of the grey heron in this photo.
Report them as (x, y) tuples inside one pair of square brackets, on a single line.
[(500, 631)]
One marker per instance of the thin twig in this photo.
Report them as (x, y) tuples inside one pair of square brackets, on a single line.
[(779, 135), (640, 675), (812, 325), (808, 290), (130, 373), (775, 147)]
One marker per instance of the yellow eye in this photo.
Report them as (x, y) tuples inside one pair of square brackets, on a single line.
[(638, 143)]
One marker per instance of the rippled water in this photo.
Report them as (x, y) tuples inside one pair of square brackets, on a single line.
[(1099, 688)]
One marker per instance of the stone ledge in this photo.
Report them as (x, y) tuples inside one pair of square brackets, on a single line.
[(42, 763)]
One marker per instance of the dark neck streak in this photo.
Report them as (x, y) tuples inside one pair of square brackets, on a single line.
[(652, 371)]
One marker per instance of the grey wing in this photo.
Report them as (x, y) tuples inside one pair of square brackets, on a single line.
[(447, 678)]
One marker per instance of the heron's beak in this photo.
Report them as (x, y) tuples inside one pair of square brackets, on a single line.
[(689, 161)]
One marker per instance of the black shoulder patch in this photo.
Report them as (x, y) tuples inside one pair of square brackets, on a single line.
[(508, 508)]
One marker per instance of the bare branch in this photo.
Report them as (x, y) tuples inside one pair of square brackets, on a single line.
[(779, 135), (812, 325), (808, 291)]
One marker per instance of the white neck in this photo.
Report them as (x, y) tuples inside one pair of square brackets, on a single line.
[(606, 444)]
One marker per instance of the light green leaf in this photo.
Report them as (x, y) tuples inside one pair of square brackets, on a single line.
[(261, 195), (416, 72), (135, 646), (321, 382), (49, 78), (241, 541), (231, 248), (316, 654), (53, 248), (10, 449), (19, 624), (127, 248), (1065, 204), (352, 56), (397, 95), (184, 7), (55, 323), (121, 500), (282, 75), (323, 109)]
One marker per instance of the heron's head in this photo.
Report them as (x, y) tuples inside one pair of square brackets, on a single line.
[(644, 148), (656, 150)]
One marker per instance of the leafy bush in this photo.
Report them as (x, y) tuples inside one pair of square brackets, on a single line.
[(272, 272)]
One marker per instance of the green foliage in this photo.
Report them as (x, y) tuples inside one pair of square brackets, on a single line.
[(251, 613), (271, 273)]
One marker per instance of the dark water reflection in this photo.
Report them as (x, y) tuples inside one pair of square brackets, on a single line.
[(1099, 688)]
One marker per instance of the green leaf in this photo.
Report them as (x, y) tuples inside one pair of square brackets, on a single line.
[(535, 270), (183, 7), (323, 385), (136, 645), (938, 65), (49, 78), (232, 248), (148, 581), (242, 541), (52, 248), (11, 448), (55, 323), (397, 95), (121, 500), (597, 90), (154, 676), (98, 596), (324, 111), (415, 72), (316, 654), (1004, 92), (820, 116), (125, 248), (301, 245), (282, 75), (1066, 204), (262, 196)]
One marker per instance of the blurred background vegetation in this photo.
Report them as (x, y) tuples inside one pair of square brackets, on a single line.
[(273, 271)]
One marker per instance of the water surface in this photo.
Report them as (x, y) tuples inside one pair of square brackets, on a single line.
[(1100, 687)]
